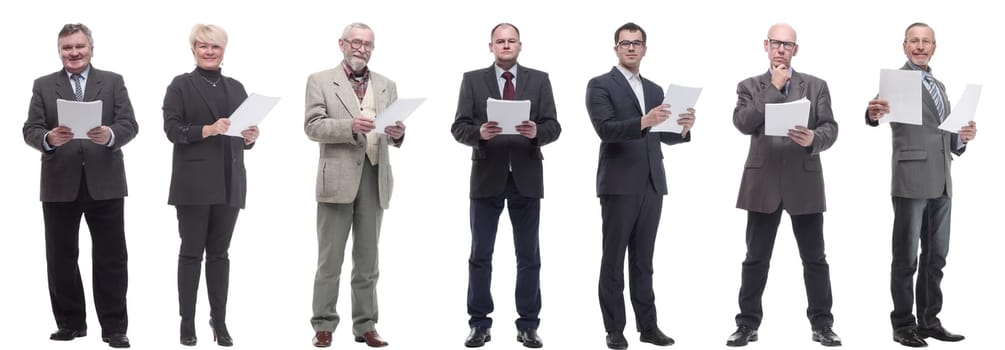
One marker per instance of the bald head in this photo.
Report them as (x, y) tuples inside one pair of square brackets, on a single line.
[(783, 32)]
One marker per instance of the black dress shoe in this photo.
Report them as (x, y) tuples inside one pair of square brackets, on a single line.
[(189, 340), (616, 340), (909, 337), (478, 337), (939, 333), (656, 337), (117, 340), (68, 334), (742, 336), (529, 338), (826, 337)]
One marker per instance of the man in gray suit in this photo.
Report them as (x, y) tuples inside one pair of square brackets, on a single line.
[(784, 173), (83, 176), (922, 198), (354, 181)]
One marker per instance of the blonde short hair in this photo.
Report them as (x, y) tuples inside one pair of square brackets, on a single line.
[(208, 33)]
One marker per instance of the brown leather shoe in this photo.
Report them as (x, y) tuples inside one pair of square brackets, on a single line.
[(323, 339), (371, 339)]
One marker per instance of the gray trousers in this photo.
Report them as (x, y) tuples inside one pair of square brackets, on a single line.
[(363, 216)]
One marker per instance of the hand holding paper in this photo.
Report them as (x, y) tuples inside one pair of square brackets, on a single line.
[(79, 117), (681, 101), (398, 111), (508, 114), (779, 118), (251, 112), (964, 110)]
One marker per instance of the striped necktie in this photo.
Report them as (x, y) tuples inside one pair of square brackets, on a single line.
[(77, 91), (933, 89)]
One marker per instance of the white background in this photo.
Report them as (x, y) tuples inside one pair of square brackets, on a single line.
[(425, 47)]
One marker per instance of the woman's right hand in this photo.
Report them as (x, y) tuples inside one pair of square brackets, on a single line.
[(217, 128)]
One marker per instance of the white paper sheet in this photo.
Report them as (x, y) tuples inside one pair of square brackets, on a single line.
[(903, 89), (508, 113), (80, 117), (398, 111), (780, 117), (251, 112), (680, 98), (964, 110)]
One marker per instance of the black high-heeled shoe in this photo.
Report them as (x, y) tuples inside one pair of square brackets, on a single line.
[(188, 333), (222, 338)]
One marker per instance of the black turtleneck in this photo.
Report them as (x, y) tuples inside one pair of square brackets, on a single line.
[(217, 95)]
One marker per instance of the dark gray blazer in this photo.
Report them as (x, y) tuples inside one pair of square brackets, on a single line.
[(199, 165), (777, 170), (631, 159), (492, 160), (63, 166), (922, 154)]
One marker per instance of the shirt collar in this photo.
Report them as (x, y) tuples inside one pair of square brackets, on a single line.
[(352, 75), (627, 73), (511, 70), (82, 74)]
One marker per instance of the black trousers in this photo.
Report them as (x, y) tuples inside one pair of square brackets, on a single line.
[(809, 231), (204, 229), (927, 220), (108, 261), (630, 223), (525, 216)]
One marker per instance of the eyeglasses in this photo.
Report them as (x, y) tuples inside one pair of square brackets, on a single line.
[(626, 44), (788, 45), (923, 42), (356, 44)]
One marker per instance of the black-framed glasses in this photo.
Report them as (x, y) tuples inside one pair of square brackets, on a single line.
[(356, 44), (788, 45), (624, 44)]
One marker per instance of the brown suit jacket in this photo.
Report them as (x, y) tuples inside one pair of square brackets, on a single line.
[(778, 171)]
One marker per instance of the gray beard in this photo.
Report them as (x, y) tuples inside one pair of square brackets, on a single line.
[(355, 64)]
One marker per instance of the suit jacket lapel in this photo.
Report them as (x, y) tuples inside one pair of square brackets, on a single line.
[(345, 93), (379, 88), (492, 82), (627, 88), (797, 87), (93, 84), (64, 89), (521, 83)]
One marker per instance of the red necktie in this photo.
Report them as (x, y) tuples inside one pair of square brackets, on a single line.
[(508, 90)]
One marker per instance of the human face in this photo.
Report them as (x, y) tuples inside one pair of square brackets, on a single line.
[(207, 56), (781, 45), (357, 48), (919, 45), (75, 52), (505, 46), (630, 56)]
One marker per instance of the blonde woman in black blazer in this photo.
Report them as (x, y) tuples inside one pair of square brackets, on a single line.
[(208, 180)]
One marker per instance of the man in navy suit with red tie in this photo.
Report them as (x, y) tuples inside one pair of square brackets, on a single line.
[(505, 170)]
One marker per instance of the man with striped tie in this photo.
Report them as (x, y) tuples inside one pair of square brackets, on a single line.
[(922, 198)]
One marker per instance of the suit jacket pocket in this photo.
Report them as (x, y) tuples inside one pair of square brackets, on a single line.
[(912, 155), (812, 165)]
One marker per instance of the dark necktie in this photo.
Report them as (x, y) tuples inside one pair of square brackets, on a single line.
[(77, 91), (933, 89), (508, 90)]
